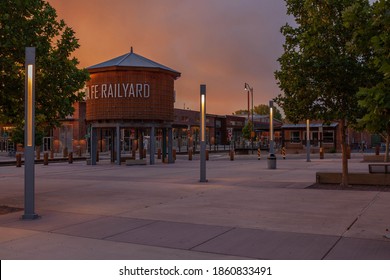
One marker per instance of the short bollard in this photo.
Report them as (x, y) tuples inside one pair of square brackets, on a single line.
[(18, 160), (174, 154), (321, 153), (97, 156), (190, 154), (207, 154), (65, 152), (284, 152), (38, 152), (70, 157), (258, 154), (231, 154), (45, 158), (158, 153)]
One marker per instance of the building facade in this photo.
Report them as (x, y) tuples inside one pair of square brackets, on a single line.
[(129, 106)]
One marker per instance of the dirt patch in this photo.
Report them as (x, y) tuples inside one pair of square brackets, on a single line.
[(7, 209), (374, 188)]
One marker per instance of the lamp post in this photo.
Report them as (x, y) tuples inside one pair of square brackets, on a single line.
[(271, 160), (29, 135), (308, 140), (271, 128), (203, 133), (248, 88)]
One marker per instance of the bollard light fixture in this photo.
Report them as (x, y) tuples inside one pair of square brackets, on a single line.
[(203, 133), (29, 135), (308, 140), (271, 127), (203, 115), (29, 124), (248, 88)]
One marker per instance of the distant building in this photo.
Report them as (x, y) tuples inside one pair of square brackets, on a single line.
[(321, 135), (130, 104), (74, 133)]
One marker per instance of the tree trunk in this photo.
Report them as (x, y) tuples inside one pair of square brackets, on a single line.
[(344, 148)]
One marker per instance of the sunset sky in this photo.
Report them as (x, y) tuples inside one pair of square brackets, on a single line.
[(221, 43)]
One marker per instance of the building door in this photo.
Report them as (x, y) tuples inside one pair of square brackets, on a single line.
[(315, 138), (66, 137)]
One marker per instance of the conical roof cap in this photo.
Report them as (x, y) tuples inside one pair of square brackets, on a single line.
[(132, 59)]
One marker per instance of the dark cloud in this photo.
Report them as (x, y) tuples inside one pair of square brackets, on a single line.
[(223, 43)]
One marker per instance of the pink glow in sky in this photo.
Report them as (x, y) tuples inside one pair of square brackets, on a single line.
[(220, 43)]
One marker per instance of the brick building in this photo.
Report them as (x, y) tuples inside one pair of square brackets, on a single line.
[(130, 100)]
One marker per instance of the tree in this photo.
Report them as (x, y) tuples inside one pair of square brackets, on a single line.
[(246, 130), (319, 74), (373, 40), (25, 23), (241, 112), (261, 109)]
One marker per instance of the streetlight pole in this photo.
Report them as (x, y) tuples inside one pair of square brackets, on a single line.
[(203, 133), (29, 135), (271, 160), (248, 88), (271, 128), (308, 140)]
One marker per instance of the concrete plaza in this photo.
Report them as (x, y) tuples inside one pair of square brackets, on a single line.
[(162, 211)]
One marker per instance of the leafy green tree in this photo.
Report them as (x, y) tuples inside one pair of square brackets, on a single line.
[(33, 23), (261, 109), (319, 74), (246, 130), (17, 135), (373, 40), (241, 112)]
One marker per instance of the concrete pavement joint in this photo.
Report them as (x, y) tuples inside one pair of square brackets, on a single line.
[(151, 222), (371, 202), (352, 224), (331, 248), (218, 235)]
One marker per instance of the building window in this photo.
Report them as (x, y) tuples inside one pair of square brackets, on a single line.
[(328, 136), (295, 137)]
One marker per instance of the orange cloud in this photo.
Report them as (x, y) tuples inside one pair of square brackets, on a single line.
[(223, 43)]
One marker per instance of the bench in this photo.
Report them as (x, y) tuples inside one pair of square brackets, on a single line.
[(379, 168)]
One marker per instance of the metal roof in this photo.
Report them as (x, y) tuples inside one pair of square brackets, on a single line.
[(302, 125), (132, 59)]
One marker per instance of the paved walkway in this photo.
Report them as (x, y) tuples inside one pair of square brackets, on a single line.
[(244, 211)]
